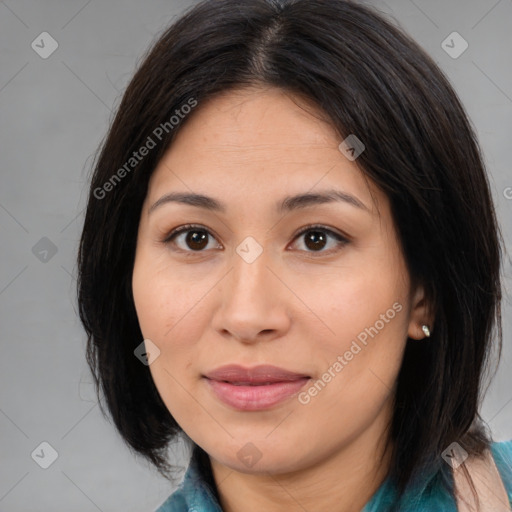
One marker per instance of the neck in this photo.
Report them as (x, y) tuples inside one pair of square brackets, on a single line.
[(344, 481)]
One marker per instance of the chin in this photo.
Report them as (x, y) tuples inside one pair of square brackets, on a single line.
[(258, 457)]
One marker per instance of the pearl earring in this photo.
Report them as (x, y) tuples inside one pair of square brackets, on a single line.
[(426, 330)]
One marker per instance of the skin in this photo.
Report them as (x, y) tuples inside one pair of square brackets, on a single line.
[(295, 306)]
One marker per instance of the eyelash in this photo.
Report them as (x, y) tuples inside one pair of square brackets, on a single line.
[(341, 240)]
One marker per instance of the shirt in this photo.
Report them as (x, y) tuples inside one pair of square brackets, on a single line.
[(197, 492)]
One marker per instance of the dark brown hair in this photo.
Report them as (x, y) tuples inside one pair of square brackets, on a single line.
[(372, 80)]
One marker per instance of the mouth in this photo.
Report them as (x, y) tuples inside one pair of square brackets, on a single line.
[(254, 389), (252, 383), (258, 375)]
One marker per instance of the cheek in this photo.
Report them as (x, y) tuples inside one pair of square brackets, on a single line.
[(354, 300), (361, 352), (357, 376), (168, 315), (170, 310), (161, 300)]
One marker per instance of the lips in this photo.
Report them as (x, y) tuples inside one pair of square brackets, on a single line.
[(254, 389), (257, 376)]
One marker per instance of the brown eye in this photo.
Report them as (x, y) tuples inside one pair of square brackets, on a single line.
[(195, 238), (316, 238)]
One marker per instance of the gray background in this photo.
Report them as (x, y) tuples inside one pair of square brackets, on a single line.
[(53, 114)]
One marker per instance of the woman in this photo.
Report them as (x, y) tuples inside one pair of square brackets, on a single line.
[(291, 260)]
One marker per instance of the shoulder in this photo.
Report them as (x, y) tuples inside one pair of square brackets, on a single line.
[(190, 496), (176, 502), (502, 454), (194, 493), (491, 476)]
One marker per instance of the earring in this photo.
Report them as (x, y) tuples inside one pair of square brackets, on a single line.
[(426, 330)]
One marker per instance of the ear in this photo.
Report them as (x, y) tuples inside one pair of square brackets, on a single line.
[(420, 315)]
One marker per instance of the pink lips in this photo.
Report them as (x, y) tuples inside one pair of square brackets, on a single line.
[(252, 389)]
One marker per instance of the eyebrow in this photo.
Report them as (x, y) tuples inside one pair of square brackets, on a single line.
[(288, 204)]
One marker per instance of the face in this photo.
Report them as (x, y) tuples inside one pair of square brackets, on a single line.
[(252, 283)]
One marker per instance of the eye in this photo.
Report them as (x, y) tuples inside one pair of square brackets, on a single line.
[(318, 237), (196, 238)]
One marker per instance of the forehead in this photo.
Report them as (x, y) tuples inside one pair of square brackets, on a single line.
[(258, 139), (264, 121)]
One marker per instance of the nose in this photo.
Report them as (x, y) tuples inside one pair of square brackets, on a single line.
[(254, 302)]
